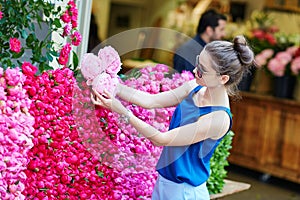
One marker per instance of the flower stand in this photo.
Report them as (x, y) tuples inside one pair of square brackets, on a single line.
[(284, 86), (262, 82), (297, 90)]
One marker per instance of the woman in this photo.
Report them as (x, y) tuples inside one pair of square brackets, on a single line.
[(201, 119)]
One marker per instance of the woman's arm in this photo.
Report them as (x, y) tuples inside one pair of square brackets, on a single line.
[(213, 125), (160, 100)]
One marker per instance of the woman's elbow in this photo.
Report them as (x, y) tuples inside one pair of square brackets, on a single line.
[(159, 141)]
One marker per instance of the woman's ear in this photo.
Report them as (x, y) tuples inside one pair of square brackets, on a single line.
[(224, 79)]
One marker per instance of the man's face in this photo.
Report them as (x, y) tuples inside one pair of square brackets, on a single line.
[(219, 31)]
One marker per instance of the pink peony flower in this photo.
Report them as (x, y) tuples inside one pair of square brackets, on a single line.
[(67, 29), (76, 38), (1, 15), (276, 67), (2, 94), (111, 60), (292, 50), (104, 82), (267, 53), (64, 54), (91, 66), (28, 68), (13, 76), (295, 65), (262, 58), (283, 57), (15, 45), (66, 17)]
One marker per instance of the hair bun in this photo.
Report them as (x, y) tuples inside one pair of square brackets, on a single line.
[(244, 52)]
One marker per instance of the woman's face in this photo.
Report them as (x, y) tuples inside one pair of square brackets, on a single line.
[(204, 73)]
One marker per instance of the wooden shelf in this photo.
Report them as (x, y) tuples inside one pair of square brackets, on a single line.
[(267, 135), (285, 5)]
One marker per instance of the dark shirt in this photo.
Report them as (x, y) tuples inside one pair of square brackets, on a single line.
[(185, 56)]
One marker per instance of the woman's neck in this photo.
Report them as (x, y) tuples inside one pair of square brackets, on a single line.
[(214, 96)]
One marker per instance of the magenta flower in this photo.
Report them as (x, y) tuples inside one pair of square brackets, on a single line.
[(15, 45), (76, 38), (67, 29), (28, 68), (1, 15), (66, 17), (64, 54)]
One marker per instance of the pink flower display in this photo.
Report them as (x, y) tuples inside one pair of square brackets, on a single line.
[(285, 61), (15, 45), (100, 157), (1, 15), (16, 127)]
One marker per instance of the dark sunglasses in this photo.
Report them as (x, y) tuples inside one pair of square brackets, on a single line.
[(200, 72)]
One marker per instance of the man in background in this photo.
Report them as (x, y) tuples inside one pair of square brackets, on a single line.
[(211, 27)]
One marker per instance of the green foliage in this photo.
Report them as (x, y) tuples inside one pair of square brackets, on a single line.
[(218, 163), (22, 19)]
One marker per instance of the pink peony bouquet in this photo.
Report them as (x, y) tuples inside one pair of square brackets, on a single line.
[(263, 57), (285, 62), (101, 71)]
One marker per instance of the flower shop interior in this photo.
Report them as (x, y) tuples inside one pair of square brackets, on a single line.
[(266, 149), (54, 144)]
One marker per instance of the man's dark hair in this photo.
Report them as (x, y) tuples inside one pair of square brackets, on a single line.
[(209, 18)]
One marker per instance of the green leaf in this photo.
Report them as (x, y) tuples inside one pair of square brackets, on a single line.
[(215, 183), (54, 53), (30, 39), (24, 34), (47, 13), (18, 55), (49, 56), (57, 23), (75, 60)]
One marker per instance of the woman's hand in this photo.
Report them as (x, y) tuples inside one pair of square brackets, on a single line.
[(108, 101)]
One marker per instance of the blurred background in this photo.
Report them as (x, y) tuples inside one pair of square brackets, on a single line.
[(266, 147)]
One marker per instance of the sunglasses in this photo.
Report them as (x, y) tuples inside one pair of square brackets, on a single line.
[(199, 70)]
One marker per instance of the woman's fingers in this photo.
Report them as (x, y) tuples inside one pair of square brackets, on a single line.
[(100, 100), (94, 101), (96, 93), (107, 94)]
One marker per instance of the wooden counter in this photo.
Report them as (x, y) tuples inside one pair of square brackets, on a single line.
[(267, 135)]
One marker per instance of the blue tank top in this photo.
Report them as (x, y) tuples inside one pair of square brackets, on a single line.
[(190, 163)]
